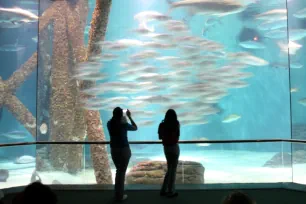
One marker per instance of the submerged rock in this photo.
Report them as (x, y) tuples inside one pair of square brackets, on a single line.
[(4, 174), (284, 159), (153, 172), (25, 159)]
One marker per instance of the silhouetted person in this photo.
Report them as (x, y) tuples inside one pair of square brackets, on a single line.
[(237, 197), (169, 133), (120, 149), (36, 193)]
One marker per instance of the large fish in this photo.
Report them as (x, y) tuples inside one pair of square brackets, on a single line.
[(17, 15), (209, 7)]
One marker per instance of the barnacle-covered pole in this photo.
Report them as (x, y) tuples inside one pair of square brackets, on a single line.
[(11, 102), (95, 131), (67, 121)]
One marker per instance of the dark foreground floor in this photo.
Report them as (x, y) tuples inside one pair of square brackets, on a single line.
[(262, 196)]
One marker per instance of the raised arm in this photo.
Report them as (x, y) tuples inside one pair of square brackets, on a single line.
[(132, 127)]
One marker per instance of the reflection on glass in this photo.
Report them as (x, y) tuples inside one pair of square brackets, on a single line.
[(198, 164), (297, 33)]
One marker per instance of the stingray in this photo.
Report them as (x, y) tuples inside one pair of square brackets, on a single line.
[(247, 34)]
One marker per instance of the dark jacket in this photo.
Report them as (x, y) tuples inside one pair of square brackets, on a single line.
[(169, 135)]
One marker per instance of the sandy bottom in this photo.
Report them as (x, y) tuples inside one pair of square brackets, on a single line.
[(220, 167)]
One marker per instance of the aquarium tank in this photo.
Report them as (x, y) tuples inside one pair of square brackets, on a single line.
[(231, 69)]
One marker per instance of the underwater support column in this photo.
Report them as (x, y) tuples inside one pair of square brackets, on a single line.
[(63, 100), (95, 131), (77, 16)]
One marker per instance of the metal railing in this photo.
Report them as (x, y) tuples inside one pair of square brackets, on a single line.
[(156, 142)]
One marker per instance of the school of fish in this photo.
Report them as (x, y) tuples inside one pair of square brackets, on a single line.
[(164, 65)]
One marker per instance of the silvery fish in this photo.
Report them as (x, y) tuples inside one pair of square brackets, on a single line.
[(17, 15), (16, 135), (209, 7), (274, 14), (300, 14), (251, 44), (147, 16)]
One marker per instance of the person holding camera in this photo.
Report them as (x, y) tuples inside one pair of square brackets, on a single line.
[(120, 150)]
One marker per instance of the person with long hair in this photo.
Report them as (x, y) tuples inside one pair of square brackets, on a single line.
[(169, 133), (120, 150)]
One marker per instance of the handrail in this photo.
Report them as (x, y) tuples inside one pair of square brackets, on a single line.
[(157, 142)]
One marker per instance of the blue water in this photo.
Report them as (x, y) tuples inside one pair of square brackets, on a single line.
[(258, 104), (264, 106)]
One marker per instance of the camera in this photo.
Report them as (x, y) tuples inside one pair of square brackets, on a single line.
[(124, 111)]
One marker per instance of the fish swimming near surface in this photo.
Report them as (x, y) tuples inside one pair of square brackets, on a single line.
[(208, 7), (17, 15), (146, 16)]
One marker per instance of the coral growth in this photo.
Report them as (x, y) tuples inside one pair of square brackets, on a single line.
[(9, 100), (93, 120)]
